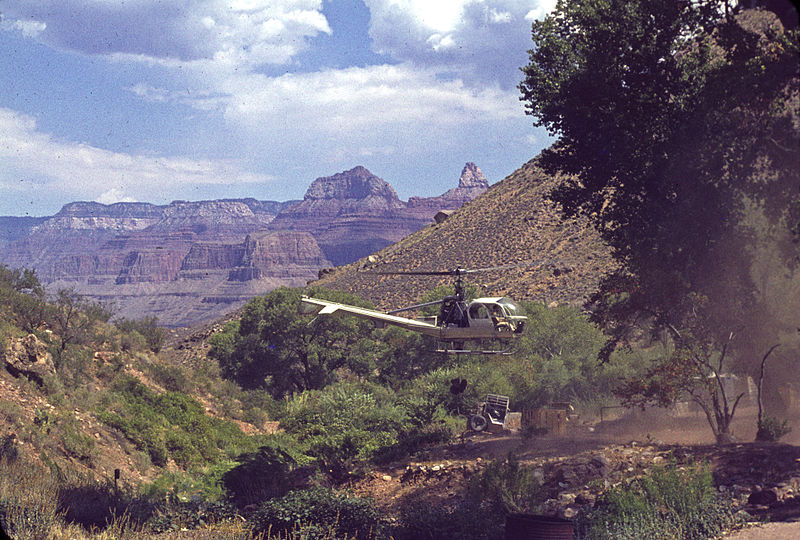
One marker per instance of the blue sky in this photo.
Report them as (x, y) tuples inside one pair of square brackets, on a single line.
[(158, 100)]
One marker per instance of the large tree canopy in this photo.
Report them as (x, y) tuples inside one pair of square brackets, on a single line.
[(675, 122), (678, 133), (276, 348)]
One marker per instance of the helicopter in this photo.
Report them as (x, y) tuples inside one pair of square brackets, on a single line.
[(458, 321)]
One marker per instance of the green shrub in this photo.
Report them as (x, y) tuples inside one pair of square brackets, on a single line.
[(190, 515), (421, 520), (132, 341), (172, 378), (412, 441), (76, 444), (506, 486), (260, 475), (317, 511), (772, 429), (344, 424), (171, 425), (10, 412), (670, 503), (147, 328)]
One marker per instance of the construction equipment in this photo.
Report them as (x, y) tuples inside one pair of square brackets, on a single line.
[(491, 414)]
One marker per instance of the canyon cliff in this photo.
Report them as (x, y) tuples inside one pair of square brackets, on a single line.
[(192, 261)]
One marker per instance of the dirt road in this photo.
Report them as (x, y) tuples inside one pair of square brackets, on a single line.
[(769, 531)]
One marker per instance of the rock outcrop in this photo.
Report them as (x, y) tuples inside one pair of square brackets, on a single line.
[(194, 260), (28, 357), (355, 213), (471, 184)]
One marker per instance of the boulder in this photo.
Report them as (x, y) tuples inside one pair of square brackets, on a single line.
[(28, 356)]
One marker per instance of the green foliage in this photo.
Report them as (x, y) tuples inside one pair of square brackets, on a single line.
[(260, 475), (173, 378), (275, 347), (506, 486), (677, 126), (671, 503), (76, 444), (413, 440), (344, 423), (421, 520), (147, 327), (171, 425), (72, 317), (190, 515), (772, 429), (318, 512), (402, 355)]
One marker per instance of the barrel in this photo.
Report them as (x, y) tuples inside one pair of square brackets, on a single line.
[(533, 527)]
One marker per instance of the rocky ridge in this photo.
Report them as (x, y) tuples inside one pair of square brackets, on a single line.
[(354, 213), (511, 223), (192, 261)]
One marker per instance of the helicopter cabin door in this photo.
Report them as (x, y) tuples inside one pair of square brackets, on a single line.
[(480, 316)]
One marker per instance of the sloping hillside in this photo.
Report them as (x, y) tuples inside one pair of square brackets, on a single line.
[(511, 223)]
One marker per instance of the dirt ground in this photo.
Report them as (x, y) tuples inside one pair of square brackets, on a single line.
[(439, 475)]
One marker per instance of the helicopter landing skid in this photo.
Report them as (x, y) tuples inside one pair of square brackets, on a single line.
[(505, 352)]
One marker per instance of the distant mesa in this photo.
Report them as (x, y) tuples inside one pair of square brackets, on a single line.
[(191, 261), (356, 184)]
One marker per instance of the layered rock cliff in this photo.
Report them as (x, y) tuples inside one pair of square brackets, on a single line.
[(190, 261), (355, 213)]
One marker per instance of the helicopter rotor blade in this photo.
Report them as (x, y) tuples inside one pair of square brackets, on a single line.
[(417, 306), (416, 273), (461, 271), (508, 266)]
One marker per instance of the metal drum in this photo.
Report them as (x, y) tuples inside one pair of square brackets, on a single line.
[(533, 527)]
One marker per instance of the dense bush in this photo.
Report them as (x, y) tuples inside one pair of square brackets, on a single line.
[(171, 425), (506, 486), (319, 512), (146, 327), (344, 423), (276, 348), (772, 429), (421, 520), (670, 503), (260, 475)]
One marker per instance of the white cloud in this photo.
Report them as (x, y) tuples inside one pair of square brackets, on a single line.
[(541, 11), (29, 28), (80, 171), (375, 98), (484, 41), (248, 32), (112, 196)]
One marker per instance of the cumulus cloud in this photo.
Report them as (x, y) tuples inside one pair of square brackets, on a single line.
[(365, 110), (481, 40), (247, 32), (82, 171)]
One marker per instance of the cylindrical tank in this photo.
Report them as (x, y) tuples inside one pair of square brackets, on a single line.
[(533, 527)]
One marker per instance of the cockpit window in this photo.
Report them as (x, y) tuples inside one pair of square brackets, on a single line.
[(511, 307), (478, 311)]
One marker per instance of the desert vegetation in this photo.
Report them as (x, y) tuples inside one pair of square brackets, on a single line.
[(266, 429), (188, 469)]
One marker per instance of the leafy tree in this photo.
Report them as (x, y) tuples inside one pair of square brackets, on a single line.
[(344, 423), (72, 316), (148, 327), (273, 346), (676, 121), (23, 294)]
